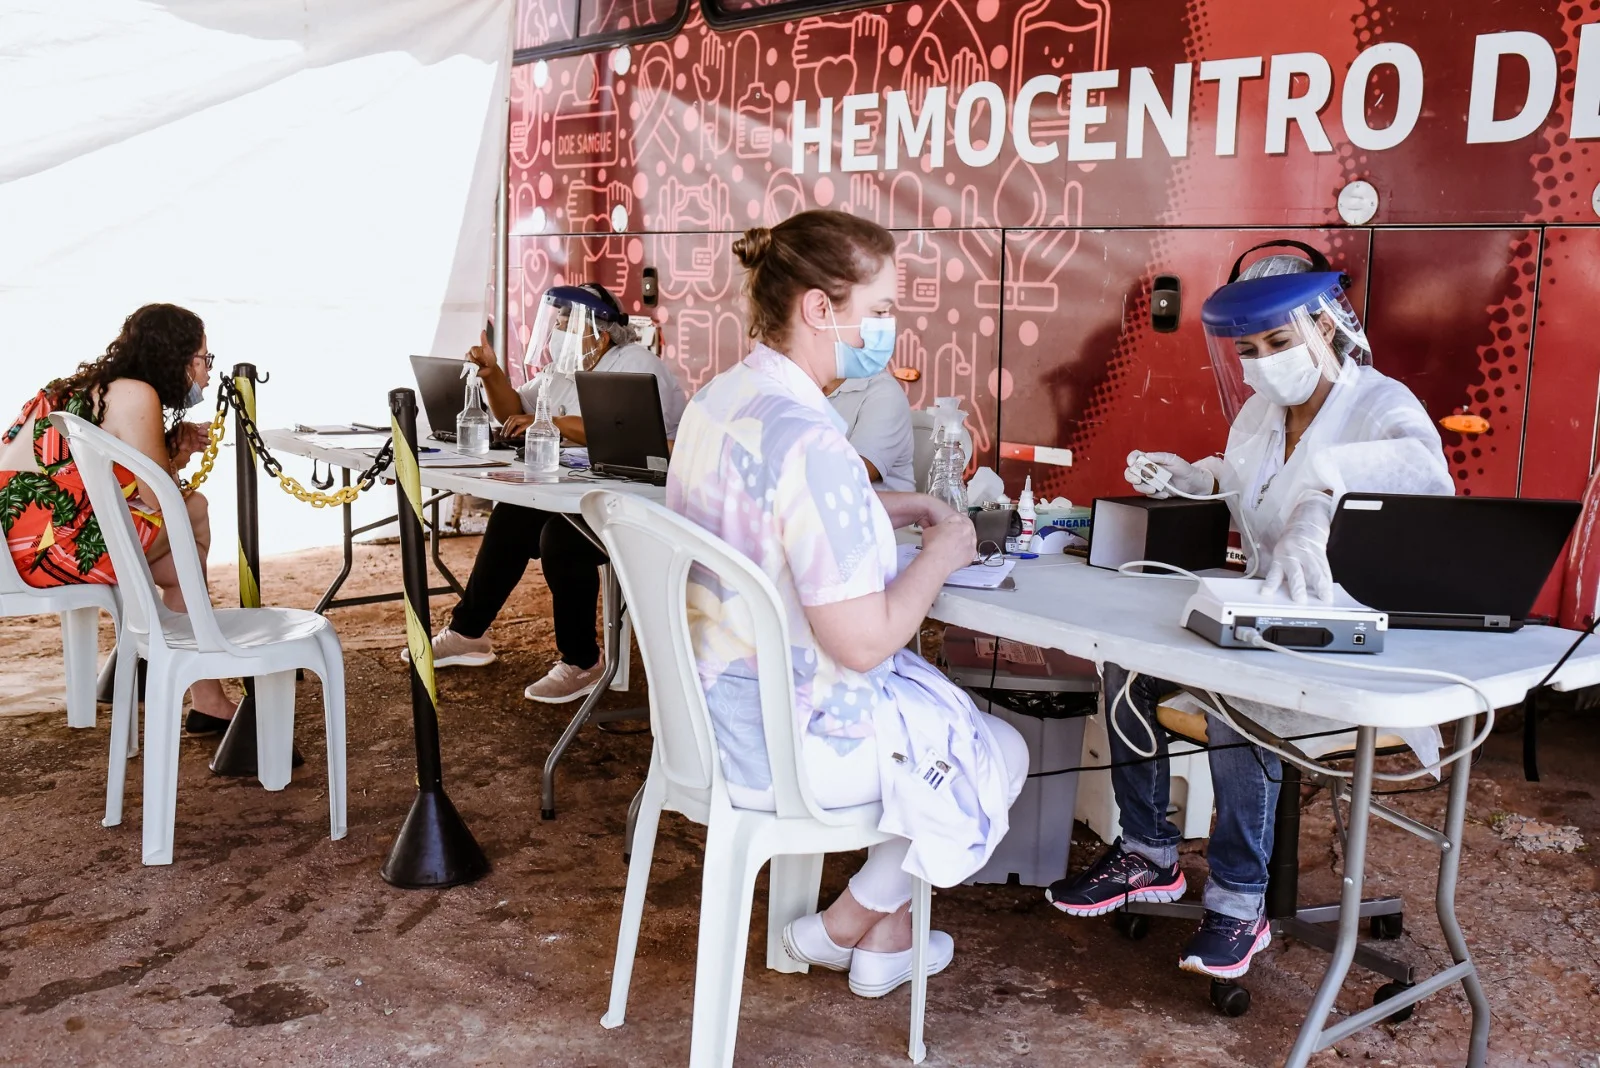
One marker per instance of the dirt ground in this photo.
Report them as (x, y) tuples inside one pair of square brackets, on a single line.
[(267, 943)]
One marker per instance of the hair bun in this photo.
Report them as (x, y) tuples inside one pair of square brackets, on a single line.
[(752, 248)]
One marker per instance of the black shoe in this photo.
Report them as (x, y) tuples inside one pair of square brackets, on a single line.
[(1118, 877), (1223, 946), (197, 722)]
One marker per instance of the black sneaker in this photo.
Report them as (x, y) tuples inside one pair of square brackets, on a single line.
[(1223, 946), (1117, 878)]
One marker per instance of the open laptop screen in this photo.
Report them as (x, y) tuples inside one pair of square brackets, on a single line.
[(1467, 557)]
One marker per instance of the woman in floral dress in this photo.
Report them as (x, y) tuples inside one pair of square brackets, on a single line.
[(157, 364)]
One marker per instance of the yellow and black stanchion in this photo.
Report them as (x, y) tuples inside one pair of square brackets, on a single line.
[(236, 754), (435, 849)]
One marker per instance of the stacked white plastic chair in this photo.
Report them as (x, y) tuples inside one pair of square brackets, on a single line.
[(268, 644), (79, 607), (653, 550)]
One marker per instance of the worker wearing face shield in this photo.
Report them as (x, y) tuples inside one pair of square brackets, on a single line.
[(577, 328), (1311, 420)]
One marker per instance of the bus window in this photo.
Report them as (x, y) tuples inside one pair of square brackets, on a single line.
[(729, 14), (550, 28)]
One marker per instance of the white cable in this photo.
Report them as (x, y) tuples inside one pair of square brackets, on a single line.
[(1254, 637), (1178, 572), (1124, 697), (1163, 480)]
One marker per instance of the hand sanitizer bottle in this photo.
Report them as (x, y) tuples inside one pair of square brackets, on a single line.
[(472, 425), (542, 443)]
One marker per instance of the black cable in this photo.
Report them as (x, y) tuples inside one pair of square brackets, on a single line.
[(1530, 709), (1163, 756)]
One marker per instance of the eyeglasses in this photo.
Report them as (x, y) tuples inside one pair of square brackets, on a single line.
[(990, 554), (209, 357)]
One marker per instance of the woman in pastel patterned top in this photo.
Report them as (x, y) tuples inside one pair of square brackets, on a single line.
[(158, 363), (762, 461)]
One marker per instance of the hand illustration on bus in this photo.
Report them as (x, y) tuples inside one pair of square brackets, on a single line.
[(825, 48), (948, 52)]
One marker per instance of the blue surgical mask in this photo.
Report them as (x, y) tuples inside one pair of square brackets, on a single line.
[(877, 347), (194, 396)]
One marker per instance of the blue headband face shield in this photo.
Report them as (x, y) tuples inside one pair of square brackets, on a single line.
[(570, 333), (1281, 336)]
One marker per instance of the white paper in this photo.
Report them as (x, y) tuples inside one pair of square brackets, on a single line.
[(358, 442), (457, 459), (972, 577)]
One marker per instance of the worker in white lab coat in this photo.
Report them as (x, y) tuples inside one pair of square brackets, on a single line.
[(1312, 419)]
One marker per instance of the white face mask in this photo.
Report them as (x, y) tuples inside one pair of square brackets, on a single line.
[(1288, 378), (566, 351)]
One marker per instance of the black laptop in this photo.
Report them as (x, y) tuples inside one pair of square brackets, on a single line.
[(1447, 563), (442, 392), (623, 424)]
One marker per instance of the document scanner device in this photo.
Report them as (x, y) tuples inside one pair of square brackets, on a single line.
[(1222, 607)]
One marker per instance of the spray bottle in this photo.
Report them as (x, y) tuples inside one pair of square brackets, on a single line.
[(1026, 513)]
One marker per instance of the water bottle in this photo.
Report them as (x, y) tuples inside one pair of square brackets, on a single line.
[(472, 425), (958, 455), (541, 445), (944, 476)]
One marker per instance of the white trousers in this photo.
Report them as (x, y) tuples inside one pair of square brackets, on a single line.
[(882, 884)]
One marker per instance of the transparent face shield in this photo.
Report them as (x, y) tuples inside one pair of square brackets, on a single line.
[(1285, 355), (566, 338)]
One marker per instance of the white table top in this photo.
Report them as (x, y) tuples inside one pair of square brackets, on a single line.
[(561, 496), (1099, 615)]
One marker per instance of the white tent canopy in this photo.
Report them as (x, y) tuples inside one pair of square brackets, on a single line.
[(314, 178)]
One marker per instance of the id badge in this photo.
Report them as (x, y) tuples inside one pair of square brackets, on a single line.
[(934, 772)]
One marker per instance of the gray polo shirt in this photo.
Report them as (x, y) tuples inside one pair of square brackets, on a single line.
[(630, 358), (877, 420)]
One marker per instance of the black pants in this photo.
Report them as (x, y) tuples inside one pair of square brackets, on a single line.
[(516, 535)]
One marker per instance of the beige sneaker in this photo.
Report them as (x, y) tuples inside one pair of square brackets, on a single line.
[(457, 650), (564, 683)]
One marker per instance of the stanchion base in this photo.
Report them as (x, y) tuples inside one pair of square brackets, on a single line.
[(547, 813), (435, 849), (236, 753)]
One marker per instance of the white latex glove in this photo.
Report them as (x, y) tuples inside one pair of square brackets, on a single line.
[(1300, 559), (1181, 475)]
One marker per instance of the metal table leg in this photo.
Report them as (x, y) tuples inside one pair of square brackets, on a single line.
[(613, 623), (330, 598), (349, 551), (1315, 1035), (1312, 1036), (1445, 898), (433, 547)]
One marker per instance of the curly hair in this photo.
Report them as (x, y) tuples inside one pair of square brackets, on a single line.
[(155, 347)]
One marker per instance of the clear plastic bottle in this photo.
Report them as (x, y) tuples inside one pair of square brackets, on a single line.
[(958, 454), (472, 425), (541, 445), (944, 476)]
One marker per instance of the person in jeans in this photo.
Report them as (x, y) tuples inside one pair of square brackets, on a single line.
[(581, 328), (1311, 420)]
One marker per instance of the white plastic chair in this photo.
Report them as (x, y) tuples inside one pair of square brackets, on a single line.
[(268, 644), (79, 607), (653, 550)]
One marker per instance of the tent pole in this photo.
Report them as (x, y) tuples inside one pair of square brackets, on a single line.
[(502, 298), (502, 222)]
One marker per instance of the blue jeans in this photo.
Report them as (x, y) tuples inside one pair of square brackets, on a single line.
[(1245, 781)]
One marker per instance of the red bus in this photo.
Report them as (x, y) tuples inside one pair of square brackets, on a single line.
[(1047, 164)]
